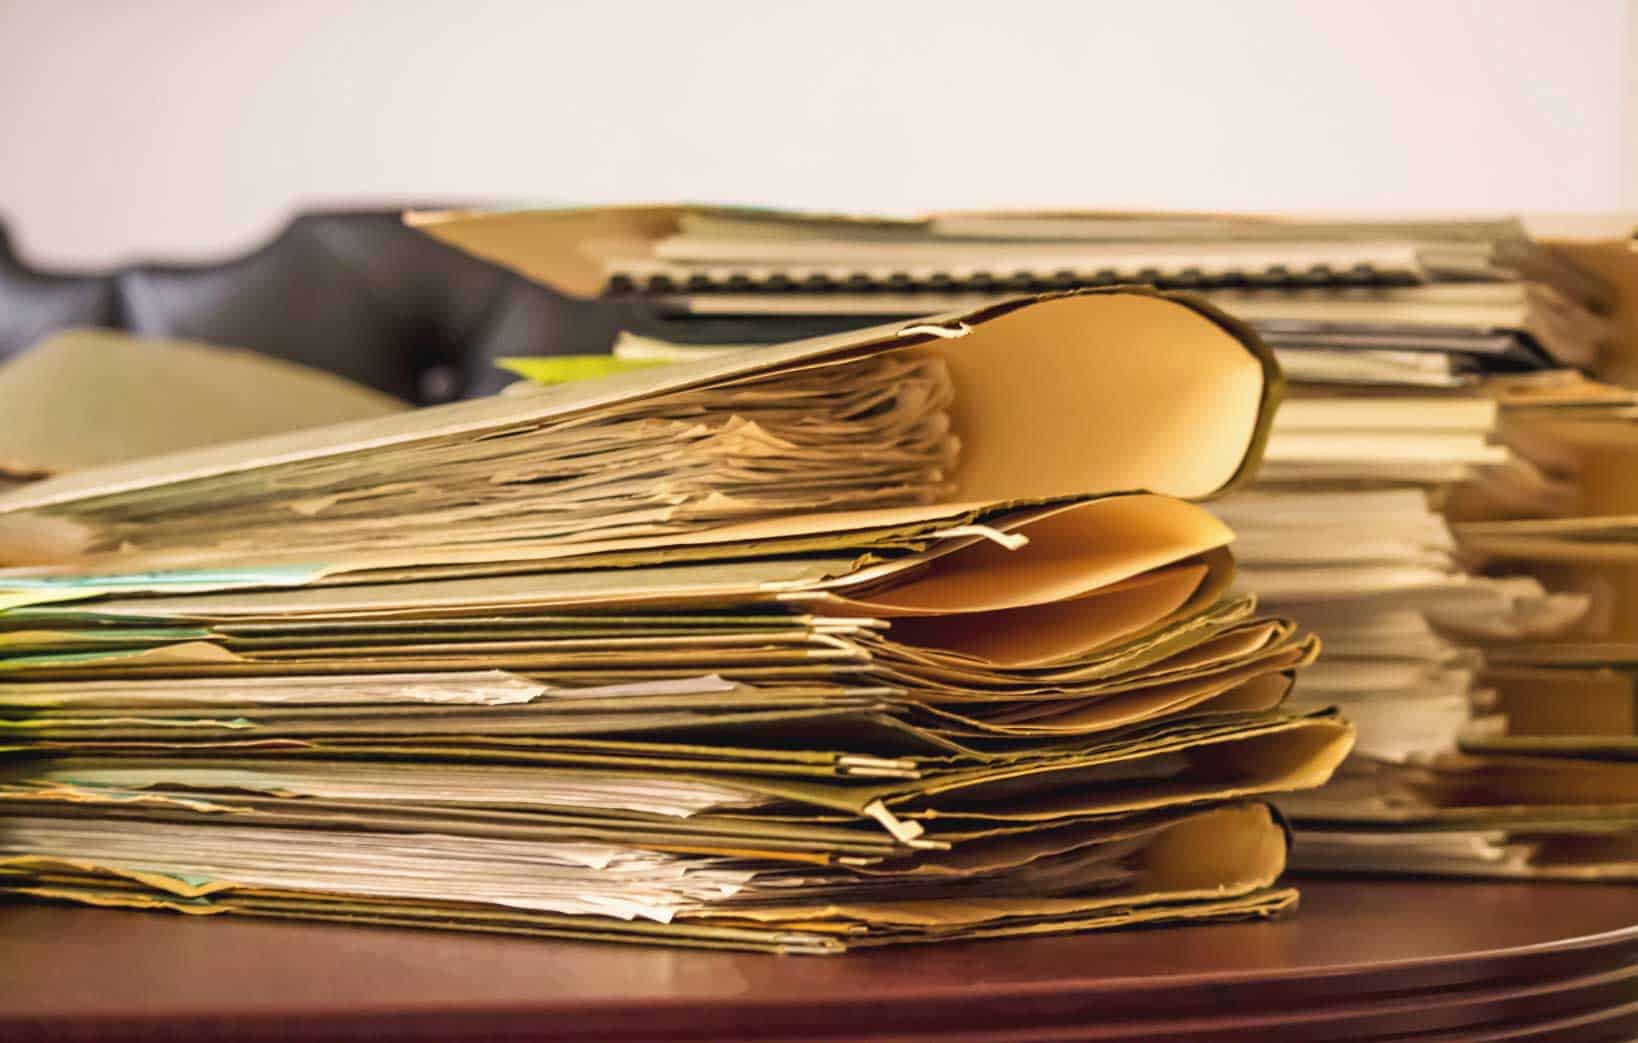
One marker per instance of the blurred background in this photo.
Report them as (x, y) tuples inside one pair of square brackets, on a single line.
[(192, 129)]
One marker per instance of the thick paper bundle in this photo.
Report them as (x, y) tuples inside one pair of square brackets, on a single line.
[(1415, 350), (853, 642), (1542, 785), (1421, 302), (1530, 785)]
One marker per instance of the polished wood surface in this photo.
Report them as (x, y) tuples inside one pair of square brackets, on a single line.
[(1362, 960)]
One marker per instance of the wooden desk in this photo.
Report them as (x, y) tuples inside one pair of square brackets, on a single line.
[(1363, 960)]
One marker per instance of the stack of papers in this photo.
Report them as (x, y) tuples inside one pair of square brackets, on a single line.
[(1342, 531), (849, 642), (1407, 346), (1544, 784), (1523, 777), (1395, 303)]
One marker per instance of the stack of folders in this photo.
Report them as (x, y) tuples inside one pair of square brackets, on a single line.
[(855, 641), (1546, 784), (1405, 344), (1423, 304)]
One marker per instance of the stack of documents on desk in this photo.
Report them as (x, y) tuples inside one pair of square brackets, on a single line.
[(1544, 784), (1537, 783), (1346, 532), (851, 642), (1389, 333)]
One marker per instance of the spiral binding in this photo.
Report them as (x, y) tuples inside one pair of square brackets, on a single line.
[(726, 280)]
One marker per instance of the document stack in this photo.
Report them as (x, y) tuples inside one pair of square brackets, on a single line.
[(1545, 784), (1407, 346), (854, 641), (1425, 304)]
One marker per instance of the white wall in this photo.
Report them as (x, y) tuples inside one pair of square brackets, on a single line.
[(191, 127)]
